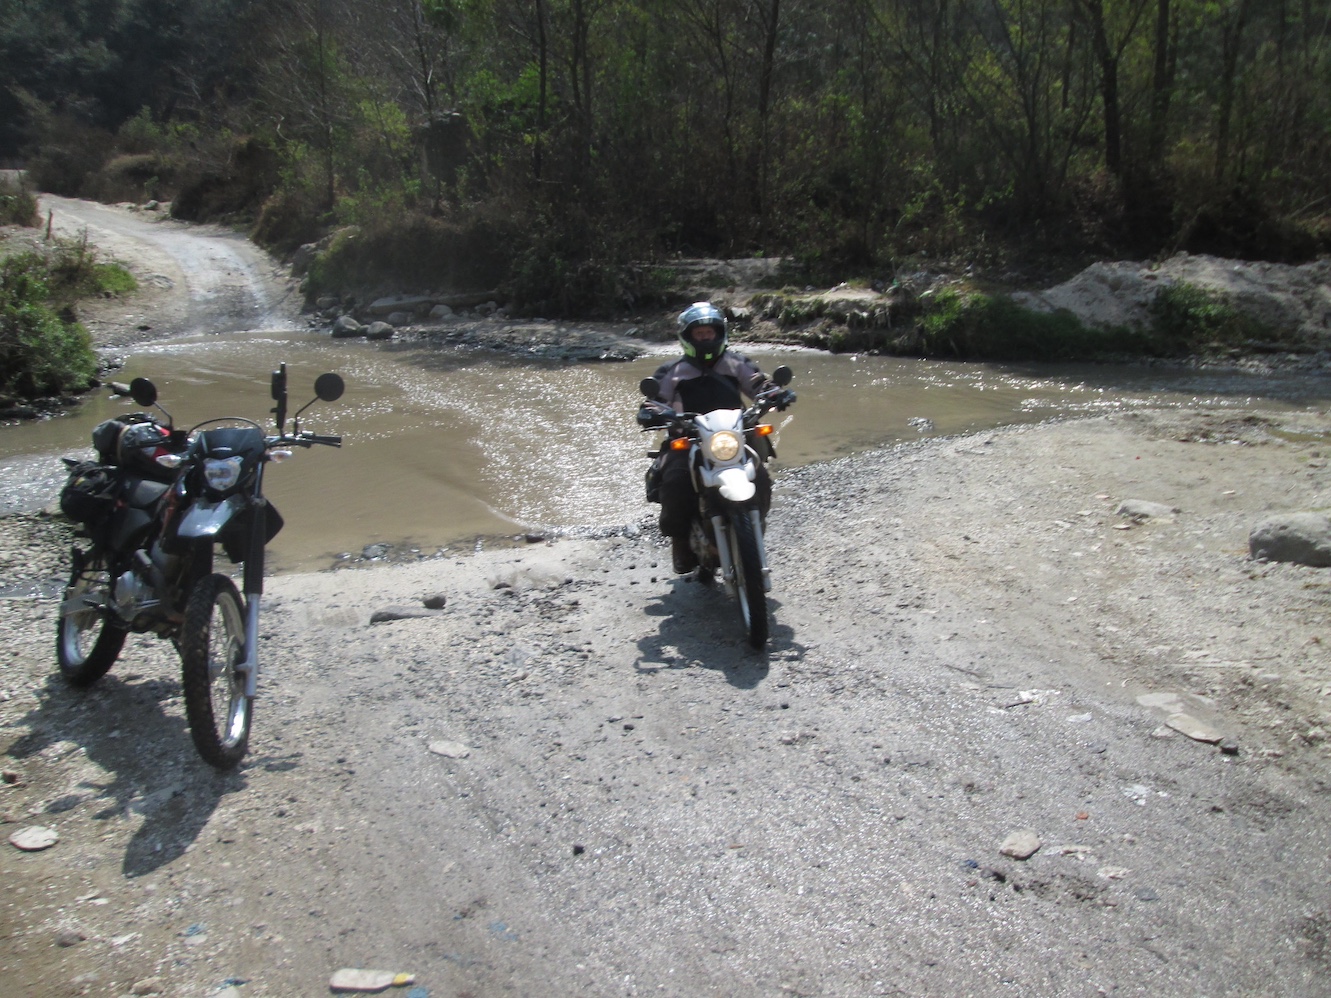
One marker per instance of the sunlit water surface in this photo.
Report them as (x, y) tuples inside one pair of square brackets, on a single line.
[(446, 444)]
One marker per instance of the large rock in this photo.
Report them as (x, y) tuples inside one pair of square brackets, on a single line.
[(346, 327), (1302, 538), (379, 331), (382, 307)]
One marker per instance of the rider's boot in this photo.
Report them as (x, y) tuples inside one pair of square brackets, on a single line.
[(682, 555)]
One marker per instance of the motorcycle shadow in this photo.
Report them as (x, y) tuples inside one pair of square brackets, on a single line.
[(143, 765), (700, 627)]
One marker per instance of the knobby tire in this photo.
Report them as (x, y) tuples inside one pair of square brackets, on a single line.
[(87, 643), (212, 645), (749, 584)]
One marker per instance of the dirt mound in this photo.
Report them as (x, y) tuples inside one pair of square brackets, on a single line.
[(1119, 293)]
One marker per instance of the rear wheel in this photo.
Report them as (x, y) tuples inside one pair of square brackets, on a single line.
[(212, 647), (87, 643), (749, 583)]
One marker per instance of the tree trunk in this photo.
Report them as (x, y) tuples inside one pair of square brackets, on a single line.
[(1231, 41), (1162, 82), (764, 107)]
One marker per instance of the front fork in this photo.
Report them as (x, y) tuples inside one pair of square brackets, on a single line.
[(721, 531), (253, 591)]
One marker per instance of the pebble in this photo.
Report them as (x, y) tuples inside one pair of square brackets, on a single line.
[(1021, 844), (69, 937), (355, 979), (1188, 725), (147, 986), (452, 750), (34, 838)]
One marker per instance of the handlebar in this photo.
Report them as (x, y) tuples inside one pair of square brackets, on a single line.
[(306, 440), (666, 417)]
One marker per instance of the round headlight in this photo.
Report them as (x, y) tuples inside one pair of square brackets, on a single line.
[(222, 473), (725, 446)]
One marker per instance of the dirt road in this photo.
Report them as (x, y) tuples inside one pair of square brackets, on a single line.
[(192, 278), (576, 779)]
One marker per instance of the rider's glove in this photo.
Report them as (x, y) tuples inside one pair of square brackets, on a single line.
[(784, 399), (651, 417)]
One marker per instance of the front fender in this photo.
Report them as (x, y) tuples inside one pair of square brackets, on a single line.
[(736, 484), (207, 519)]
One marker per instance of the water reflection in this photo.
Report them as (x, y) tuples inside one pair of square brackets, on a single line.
[(443, 444)]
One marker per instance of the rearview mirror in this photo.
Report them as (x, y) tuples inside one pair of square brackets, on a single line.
[(782, 375), (329, 387), (143, 391), (649, 387)]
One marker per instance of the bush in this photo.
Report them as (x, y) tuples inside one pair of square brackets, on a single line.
[(17, 205), (418, 252), (1186, 319), (980, 327), (74, 272), (40, 355)]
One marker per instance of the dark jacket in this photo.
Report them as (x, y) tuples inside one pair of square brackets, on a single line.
[(686, 387)]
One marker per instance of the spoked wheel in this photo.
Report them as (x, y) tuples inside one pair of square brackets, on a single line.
[(749, 585), (87, 643), (212, 646)]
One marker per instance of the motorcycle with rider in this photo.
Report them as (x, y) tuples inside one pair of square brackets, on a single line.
[(710, 475)]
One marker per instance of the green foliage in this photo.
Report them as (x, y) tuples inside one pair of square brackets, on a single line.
[(17, 205), (977, 326), (1187, 319), (395, 253), (40, 355), (73, 271)]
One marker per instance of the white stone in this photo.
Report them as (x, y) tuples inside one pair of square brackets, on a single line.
[(453, 750)]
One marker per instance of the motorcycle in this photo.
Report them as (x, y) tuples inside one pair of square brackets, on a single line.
[(725, 449), (152, 511)]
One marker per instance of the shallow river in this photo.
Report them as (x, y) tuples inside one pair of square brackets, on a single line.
[(443, 444)]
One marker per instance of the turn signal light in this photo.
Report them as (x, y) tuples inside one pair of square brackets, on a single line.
[(680, 443), (763, 429)]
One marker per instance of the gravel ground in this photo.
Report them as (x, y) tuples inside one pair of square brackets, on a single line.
[(962, 631)]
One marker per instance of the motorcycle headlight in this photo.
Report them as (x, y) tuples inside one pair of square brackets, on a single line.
[(222, 473), (725, 446)]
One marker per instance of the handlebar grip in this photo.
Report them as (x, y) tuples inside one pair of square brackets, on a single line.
[(330, 441)]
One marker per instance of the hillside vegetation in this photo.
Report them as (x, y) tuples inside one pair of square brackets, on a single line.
[(542, 146)]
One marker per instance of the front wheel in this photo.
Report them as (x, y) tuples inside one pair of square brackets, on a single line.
[(212, 647), (87, 642), (749, 584)]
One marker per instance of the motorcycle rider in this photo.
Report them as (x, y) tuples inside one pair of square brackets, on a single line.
[(706, 378)]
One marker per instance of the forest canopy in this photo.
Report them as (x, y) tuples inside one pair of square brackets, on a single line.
[(547, 140)]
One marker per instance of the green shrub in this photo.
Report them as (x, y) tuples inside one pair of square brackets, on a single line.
[(1186, 319), (416, 251), (18, 206), (40, 355), (983, 327), (74, 272)]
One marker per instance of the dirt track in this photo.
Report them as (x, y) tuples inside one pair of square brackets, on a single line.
[(962, 631)]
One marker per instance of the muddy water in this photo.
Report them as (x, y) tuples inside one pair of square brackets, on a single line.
[(442, 445)]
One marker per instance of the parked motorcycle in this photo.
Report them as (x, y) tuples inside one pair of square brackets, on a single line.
[(725, 447), (152, 510)]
